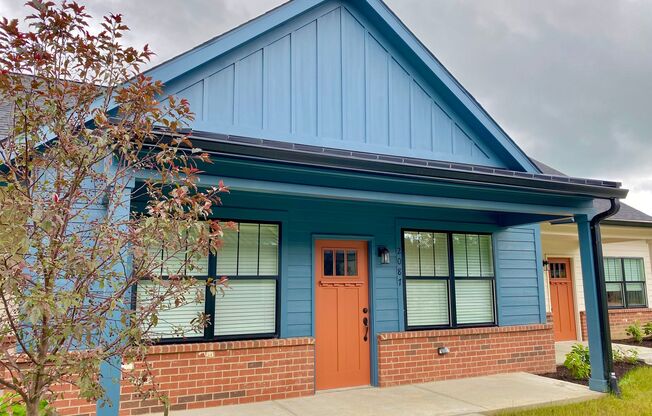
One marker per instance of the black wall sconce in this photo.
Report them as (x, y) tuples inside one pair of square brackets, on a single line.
[(546, 265), (383, 253)]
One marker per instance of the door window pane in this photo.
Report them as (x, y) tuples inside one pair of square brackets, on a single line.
[(351, 263), (328, 262), (474, 300), (339, 262), (427, 302)]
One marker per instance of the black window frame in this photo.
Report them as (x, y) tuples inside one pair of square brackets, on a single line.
[(623, 283), (452, 301), (209, 298)]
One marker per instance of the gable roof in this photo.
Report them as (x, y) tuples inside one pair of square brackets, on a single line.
[(627, 215), (377, 12)]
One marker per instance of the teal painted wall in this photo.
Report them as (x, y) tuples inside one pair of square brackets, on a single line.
[(329, 78), (520, 297)]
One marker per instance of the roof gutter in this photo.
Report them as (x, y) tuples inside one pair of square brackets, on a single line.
[(312, 156), (628, 223), (603, 310)]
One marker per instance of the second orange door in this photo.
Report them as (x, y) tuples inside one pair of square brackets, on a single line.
[(561, 299), (342, 321)]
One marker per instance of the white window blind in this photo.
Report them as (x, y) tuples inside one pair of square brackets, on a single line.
[(249, 250), (429, 285), (246, 307), (472, 255), (475, 301), (173, 321), (427, 302), (426, 254)]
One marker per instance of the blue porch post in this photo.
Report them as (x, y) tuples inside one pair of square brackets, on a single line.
[(110, 370), (599, 349)]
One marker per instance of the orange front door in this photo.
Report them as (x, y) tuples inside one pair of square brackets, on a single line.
[(561, 297), (342, 314)]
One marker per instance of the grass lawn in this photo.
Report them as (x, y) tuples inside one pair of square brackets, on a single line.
[(636, 387)]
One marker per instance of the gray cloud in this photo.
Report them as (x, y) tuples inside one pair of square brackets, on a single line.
[(568, 80)]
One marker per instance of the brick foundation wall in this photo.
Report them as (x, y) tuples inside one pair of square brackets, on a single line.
[(412, 357), (619, 320), (212, 374)]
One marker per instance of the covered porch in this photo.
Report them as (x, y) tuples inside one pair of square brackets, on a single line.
[(447, 276)]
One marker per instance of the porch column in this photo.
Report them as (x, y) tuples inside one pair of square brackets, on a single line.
[(119, 209), (595, 298)]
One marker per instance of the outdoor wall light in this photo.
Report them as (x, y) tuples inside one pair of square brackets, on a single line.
[(443, 350), (383, 253), (546, 265)]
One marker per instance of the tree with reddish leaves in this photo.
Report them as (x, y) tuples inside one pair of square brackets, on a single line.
[(70, 250)]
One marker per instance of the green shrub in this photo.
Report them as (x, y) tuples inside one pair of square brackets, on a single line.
[(635, 331), (629, 356), (11, 405), (577, 362), (647, 329)]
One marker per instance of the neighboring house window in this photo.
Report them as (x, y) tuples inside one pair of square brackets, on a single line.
[(247, 308), (449, 279), (625, 282)]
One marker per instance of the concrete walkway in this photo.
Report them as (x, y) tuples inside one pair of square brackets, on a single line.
[(562, 348), (471, 396)]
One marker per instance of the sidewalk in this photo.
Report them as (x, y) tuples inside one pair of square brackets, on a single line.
[(471, 396), (562, 348)]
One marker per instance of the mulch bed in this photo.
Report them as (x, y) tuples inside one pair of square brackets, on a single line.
[(563, 374), (646, 342)]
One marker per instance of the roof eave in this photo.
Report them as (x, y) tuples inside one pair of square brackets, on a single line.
[(250, 148)]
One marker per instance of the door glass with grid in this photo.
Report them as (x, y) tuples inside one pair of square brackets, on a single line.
[(340, 262)]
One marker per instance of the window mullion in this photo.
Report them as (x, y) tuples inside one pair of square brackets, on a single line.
[(452, 302)]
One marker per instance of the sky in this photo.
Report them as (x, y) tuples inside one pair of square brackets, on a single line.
[(569, 80)]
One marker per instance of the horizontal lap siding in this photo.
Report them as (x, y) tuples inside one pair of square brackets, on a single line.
[(334, 219), (518, 271)]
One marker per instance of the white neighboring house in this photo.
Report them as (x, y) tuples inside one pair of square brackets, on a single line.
[(627, 249)]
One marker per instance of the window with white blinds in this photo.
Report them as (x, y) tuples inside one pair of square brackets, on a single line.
[(625, 282), (449, 279), (245, 308)]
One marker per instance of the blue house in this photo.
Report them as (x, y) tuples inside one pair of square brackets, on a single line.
[(388, 228)]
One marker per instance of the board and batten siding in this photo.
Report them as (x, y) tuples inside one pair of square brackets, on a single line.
[(519, 276), (329, 78)]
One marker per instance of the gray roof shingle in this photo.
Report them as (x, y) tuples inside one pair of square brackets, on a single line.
[(626, 213)]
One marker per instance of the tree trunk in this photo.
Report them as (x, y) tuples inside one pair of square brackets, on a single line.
[(32, 407)]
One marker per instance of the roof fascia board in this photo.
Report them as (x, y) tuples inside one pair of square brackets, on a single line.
[(357, 195), (228, 41)]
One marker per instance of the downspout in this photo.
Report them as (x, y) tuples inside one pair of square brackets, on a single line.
[(603, 310)]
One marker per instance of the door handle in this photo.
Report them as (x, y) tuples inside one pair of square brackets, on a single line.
[(365, 322)]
